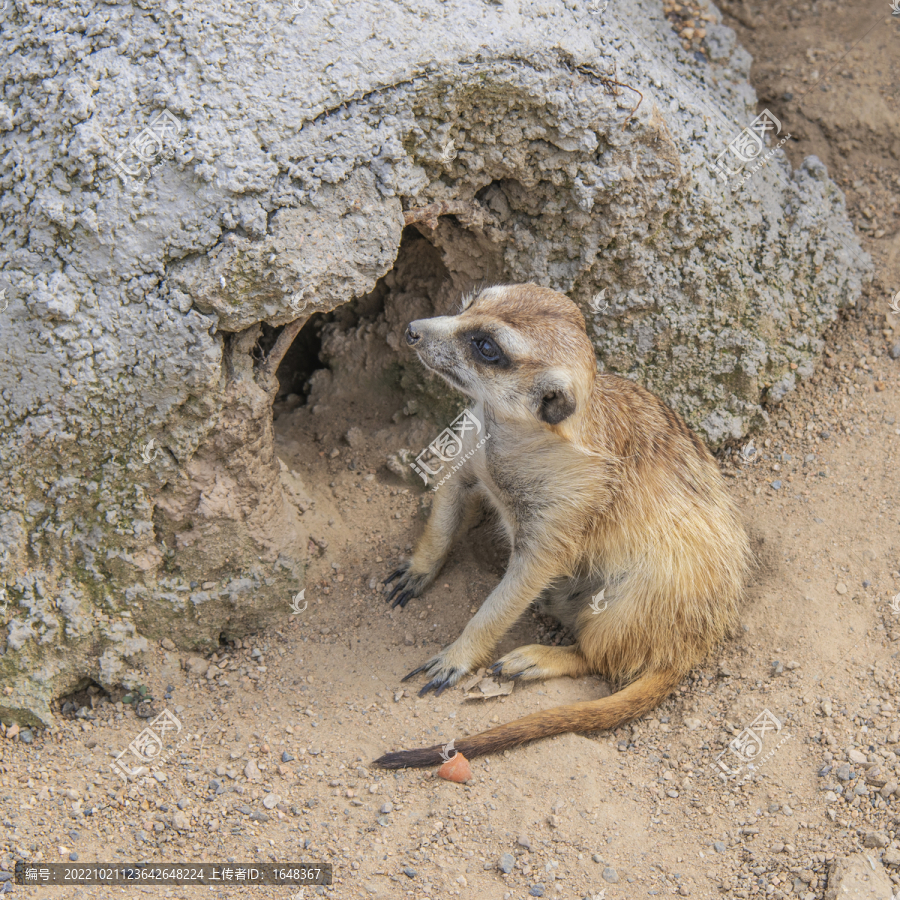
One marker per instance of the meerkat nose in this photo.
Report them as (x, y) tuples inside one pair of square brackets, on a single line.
[(412, 336)]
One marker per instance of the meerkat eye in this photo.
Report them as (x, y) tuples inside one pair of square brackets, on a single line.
[(486, 348)]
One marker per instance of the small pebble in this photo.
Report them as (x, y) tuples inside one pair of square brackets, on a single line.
[(537, 890), (507, 863), (719, 847), (286, 757), (456, 769), (876, 839), (610, 875)]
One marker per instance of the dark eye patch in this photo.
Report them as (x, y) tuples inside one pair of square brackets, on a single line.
[(487, 351)]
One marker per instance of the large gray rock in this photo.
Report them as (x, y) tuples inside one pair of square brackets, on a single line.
[(175, 176)]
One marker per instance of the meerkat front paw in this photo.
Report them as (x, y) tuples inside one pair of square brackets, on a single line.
[(411, 584), (444, 670)]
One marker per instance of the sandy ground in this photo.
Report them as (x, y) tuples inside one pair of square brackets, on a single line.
[(271, 756)]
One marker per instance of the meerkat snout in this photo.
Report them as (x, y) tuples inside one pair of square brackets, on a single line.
[(412, 336)]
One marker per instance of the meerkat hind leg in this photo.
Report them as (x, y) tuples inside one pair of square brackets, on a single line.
[(535, 662)]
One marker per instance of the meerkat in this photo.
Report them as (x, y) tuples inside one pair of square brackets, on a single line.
[(602, 489)]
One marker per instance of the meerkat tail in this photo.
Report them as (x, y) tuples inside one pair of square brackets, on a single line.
[(605, 714)]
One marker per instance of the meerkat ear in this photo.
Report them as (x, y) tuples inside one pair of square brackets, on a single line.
[(554, 403)]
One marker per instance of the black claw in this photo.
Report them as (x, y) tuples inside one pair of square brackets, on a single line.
[(496, 668), (517, 675), (402, 600), (414, 672), (430, 686), (441, 689), (394, 574), (397, 589)]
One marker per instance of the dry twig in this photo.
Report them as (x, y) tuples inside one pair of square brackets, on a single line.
[(282, 345), (607, 79)]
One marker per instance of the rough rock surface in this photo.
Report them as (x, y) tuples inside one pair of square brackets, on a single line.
[(858, 877), (174, 177)]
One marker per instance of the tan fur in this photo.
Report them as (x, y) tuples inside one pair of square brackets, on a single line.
[(599, 485)]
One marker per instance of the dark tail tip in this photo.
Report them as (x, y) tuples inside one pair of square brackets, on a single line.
[(411, 759)]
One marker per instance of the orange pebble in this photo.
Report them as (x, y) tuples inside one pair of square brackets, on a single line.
[(456, 768)]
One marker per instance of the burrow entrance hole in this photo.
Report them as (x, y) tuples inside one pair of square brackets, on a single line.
[(349, 382)]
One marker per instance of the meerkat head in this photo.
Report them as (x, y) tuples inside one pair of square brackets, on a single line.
[(522, 349)]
